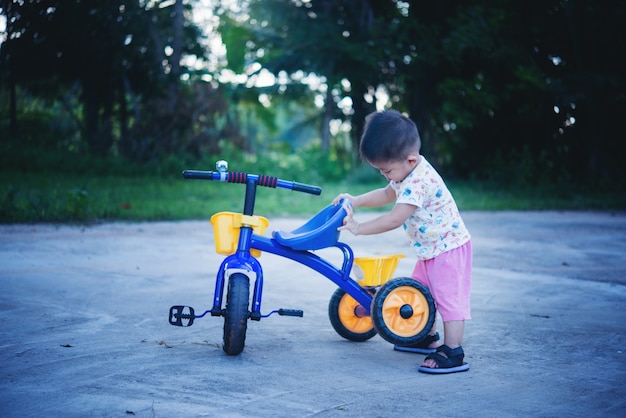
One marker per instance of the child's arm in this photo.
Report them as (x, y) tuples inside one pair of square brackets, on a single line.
[(383, 223), (378, 197)]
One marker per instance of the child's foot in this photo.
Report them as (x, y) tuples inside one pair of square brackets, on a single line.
[(445, 360), (427, 345)]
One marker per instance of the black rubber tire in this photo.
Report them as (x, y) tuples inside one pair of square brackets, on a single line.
[(403, 311), (236, 314), (357, 328)]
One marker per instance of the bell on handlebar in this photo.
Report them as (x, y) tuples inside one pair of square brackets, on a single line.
[(221, 166)]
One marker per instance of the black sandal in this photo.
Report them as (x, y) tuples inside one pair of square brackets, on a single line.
[(452, 362), (421, 347)]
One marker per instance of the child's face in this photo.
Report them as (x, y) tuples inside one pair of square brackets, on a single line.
[(397, 170)]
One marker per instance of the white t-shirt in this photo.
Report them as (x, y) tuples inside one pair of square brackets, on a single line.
[(436, 225)]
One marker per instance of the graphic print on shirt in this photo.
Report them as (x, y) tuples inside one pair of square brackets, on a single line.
[(436, 225)]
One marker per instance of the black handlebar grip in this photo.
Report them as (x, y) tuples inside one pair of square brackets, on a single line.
[(307, 188), (198, 175)]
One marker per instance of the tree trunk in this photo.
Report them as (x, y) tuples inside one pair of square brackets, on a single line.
[(329, 107), (13, 131), (177, 46), (361, 110), (420, 116), (98, 131), (91, 119)]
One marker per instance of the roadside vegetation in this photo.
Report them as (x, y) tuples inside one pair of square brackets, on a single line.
[(65, 188), (103, 104)]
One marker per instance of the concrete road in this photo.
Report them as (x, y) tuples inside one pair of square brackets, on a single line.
[(84, 330)]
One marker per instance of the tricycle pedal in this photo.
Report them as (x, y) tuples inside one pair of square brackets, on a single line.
[(285, 312), (182, 316), (291, 312)]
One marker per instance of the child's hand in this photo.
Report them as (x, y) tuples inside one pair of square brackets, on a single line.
[(348, 222), (343, 196)]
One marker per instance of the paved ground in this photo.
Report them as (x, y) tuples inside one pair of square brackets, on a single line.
[(84, 331)]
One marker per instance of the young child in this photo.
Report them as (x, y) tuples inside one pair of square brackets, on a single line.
[(431, 219)]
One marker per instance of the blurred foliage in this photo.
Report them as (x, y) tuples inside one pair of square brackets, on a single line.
[(484, 80), (61, 186), (520, 95)]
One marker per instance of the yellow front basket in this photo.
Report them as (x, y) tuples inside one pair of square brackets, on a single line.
[(226, 230), (376, 270)]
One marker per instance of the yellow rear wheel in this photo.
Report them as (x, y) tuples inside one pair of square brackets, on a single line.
[(349, 318), (403, 311)]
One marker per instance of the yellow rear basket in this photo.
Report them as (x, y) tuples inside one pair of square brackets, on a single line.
[(376, 270), (226, 230)]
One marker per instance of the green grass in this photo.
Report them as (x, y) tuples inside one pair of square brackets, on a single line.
[(26, 198), (66, 198)]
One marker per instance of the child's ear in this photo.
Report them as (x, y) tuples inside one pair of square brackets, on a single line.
[(413, 159)]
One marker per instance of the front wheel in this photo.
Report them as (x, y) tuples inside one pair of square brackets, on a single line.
[(403, 311), (349, 318), (236, 314)]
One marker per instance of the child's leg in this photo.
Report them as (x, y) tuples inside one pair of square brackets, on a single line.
[(449, 276), (453, 333)]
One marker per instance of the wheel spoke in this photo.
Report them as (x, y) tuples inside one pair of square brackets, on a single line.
[(418, 310), (345, 310)]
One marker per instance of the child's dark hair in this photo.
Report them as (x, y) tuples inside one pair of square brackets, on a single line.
[(388, 136)]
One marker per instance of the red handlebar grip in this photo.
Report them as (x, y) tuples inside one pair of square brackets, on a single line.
[(268, 181), (237, 177)]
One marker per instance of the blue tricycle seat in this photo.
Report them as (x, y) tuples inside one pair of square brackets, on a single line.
[(319, 232)]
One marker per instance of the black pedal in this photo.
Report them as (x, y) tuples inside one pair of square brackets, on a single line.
[(291, 312), (182, 316)]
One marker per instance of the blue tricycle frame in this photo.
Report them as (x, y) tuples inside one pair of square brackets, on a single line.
[(400, 310)]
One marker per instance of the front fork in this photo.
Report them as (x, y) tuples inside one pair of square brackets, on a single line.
[(248, 265)]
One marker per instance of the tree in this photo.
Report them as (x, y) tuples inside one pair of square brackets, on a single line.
[(498, 86), (327, 38), (485, 80), (115, 51)]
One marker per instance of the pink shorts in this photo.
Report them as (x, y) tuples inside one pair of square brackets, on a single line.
[(449, 279)]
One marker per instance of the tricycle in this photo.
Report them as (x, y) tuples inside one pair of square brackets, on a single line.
[(400, 310)]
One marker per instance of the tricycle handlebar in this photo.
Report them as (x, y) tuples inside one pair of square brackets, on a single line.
[(261, 180)]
